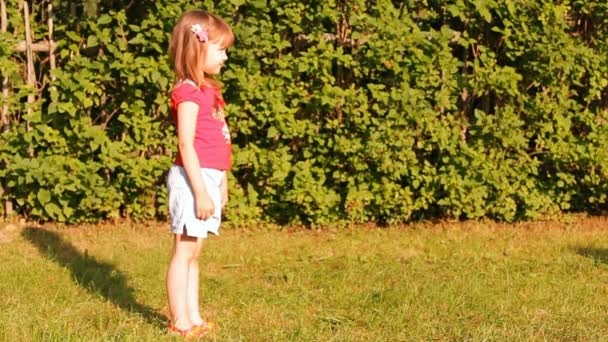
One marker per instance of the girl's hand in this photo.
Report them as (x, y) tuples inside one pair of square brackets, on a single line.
[(224, 190), (204, 208)]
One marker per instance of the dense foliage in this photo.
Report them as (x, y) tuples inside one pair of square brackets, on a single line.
[(341, 111)]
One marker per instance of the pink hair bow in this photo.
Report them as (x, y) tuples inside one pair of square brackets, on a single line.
[(200, 33)]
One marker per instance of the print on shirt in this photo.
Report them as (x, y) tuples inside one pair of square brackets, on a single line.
[(226, 133), (219, 115)]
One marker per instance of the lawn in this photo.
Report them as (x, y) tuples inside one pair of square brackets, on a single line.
[(445, 281)]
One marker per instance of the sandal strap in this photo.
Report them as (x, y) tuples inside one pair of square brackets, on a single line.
[(193, 331)]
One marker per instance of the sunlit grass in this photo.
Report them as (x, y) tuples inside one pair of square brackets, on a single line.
[(448, 281)]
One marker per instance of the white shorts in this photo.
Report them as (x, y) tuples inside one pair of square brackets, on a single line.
[(182, 206)]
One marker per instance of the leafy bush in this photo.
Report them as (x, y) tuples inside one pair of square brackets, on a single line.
[(341, 111)]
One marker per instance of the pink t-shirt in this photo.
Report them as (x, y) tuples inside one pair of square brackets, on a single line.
[(211, 137)]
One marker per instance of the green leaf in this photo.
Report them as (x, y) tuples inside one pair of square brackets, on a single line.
[(44, 196), (92, 41)]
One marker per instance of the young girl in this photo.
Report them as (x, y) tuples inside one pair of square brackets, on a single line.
[(197, 182)]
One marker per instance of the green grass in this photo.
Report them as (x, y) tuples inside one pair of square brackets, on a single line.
[(469, 281)]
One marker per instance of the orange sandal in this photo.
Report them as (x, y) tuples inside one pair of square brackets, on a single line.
[(193, 331)]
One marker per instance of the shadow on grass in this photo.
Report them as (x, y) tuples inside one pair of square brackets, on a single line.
[(100, 278), (599, 255)]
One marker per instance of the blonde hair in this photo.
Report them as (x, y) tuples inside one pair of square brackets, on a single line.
[(188, 53)]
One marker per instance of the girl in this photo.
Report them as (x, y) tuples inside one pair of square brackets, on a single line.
[(198, 187)]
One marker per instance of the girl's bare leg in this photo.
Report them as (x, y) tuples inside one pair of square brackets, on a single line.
[(193, 285), (178, 280)]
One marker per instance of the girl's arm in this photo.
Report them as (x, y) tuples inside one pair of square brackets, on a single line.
[(186, 116)]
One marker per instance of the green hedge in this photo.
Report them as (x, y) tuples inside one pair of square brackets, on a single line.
[(341, 111)]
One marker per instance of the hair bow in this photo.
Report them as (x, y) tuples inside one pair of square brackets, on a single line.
[(200, 33)]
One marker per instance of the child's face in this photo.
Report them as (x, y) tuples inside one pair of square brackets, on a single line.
[(214, 61)]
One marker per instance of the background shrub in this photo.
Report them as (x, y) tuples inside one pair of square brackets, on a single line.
[(341, 111)]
